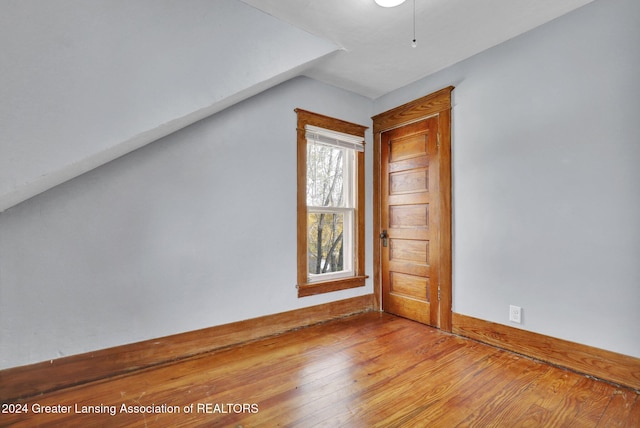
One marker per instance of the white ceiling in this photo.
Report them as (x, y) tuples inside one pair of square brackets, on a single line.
[(377, 56)]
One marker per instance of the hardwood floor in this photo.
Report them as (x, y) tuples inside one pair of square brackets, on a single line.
[(369, 370)]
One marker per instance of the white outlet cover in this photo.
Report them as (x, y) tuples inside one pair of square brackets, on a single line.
[(515, 314)]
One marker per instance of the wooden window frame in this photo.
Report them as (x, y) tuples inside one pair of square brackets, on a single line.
[(306, 288)]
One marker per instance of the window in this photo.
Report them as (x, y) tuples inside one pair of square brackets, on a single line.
[(330, 204)]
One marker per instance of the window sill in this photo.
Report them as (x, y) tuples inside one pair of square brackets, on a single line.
[(329, 286)]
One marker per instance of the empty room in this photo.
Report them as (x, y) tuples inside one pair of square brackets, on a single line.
[(343, 213)]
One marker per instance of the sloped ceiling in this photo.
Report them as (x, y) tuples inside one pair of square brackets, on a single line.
[(84, 82)]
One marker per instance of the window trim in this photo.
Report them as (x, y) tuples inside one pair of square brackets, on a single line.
[(306, 288)]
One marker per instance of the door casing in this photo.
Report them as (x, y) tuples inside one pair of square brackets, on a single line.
[(437, 104)]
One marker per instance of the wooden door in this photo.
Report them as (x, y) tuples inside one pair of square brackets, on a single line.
[(409, 220), (412, 203)]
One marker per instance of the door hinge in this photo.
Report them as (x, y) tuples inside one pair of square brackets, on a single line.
[(438, 292), (438, 141)]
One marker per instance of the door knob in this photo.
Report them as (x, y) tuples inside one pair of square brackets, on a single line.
[(385, 238)]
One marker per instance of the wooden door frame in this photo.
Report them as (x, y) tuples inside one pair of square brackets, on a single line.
[(435, 104)]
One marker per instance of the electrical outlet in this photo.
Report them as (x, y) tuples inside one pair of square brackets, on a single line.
[(515, 314)]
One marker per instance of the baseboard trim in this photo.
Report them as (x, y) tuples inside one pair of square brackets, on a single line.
[(606, 365), (30, 380)]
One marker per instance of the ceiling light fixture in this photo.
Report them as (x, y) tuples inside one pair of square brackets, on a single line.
[(389, 3)]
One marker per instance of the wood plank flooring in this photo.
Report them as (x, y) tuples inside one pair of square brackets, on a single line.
[(369, 370)]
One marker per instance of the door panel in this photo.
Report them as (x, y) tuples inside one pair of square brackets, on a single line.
[(409, 179), (408, 147), (412, 286)]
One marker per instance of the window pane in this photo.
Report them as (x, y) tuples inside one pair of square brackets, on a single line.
[(326, 242), (325, 176)]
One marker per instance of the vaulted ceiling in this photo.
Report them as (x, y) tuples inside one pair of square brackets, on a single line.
[(84, 82)]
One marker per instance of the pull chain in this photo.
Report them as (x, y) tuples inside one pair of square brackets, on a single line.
[(413, 43)]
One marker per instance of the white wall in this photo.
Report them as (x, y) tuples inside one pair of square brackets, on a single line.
[(195, 230), (546, 155)]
